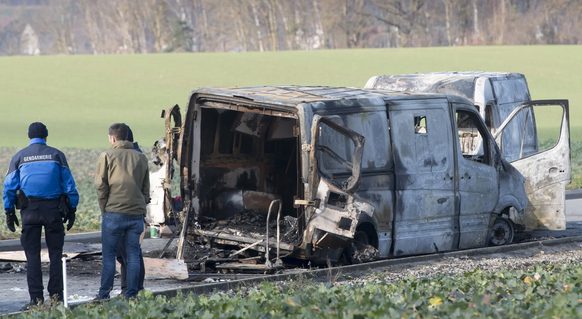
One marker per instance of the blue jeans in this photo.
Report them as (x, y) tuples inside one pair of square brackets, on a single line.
[(113, 225)]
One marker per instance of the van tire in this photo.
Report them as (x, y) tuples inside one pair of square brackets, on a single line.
[(361, 249), (361, 237), (502, 232)]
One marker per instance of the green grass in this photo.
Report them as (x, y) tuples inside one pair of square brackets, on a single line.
[(78, 97), (576, 156), (544, 291)]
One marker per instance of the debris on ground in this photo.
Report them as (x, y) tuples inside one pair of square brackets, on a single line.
[(204, 252), (6, 267), (253, 224), (363, 253), (249, 224)]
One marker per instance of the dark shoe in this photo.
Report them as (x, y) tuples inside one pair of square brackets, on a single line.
[(57, 297), (97, 299), (31, 305)]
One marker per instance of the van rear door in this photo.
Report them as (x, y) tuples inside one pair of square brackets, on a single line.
[(548, 171), (336, 210)]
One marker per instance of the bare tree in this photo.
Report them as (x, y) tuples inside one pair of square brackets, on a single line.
[(155, 12), (240, 25), (57, 20), (129, 26), (10, 39), (448, 20)]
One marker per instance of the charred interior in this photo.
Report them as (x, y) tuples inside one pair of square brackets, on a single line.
[(247, 160)]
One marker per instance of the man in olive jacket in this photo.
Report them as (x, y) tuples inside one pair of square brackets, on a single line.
[(123, 188)]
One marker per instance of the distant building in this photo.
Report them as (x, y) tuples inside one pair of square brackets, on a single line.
[(29, 41)]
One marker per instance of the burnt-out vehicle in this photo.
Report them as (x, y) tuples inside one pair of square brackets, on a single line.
[(345, 170), (504, 102)]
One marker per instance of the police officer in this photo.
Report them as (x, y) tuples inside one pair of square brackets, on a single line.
[(40, 184)]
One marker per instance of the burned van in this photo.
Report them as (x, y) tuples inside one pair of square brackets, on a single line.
[(315, 172), (504, 102)]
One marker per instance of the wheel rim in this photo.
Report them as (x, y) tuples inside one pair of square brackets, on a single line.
[(502, 232)]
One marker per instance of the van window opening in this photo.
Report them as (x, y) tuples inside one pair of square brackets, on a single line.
[(471, 137), (420, 125)]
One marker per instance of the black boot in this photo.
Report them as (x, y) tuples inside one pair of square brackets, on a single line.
[(57, 297), (32, 304)]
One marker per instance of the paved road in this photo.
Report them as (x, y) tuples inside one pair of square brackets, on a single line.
[(574, 209), (83, 280)]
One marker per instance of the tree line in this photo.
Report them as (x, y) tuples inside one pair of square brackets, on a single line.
[(148, 26)]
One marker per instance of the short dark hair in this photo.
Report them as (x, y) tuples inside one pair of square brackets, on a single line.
[(120, 131)]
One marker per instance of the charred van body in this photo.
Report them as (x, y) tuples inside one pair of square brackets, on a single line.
[(370, 173)]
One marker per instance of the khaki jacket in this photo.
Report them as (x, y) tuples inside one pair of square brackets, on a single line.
[(122, 180)]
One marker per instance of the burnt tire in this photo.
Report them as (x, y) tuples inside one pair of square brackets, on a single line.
[(361, 237), (360, 250), (502, 232)]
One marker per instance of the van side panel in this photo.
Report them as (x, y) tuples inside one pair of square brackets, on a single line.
[(378, 189), (425, 218)]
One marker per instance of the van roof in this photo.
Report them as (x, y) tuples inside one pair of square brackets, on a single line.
[(287, 96), (456, 83)]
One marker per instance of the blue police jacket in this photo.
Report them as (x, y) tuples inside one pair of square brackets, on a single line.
[(39, 171)]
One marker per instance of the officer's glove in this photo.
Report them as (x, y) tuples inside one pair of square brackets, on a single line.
[(11, 219), (64, 206), (70, 217)]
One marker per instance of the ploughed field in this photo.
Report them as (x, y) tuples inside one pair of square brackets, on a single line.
[(78, 97)]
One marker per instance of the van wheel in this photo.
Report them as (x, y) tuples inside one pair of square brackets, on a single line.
[(502, 232), (361, 237), (359, 250)]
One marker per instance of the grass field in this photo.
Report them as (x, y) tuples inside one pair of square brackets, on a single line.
[(78, 97)]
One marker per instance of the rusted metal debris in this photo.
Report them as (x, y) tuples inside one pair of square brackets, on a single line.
[(237, 239), (249, 267)]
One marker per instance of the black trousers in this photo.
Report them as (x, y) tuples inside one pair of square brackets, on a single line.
[(122, 259), (38, 214)]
